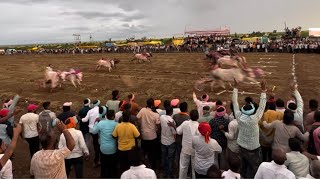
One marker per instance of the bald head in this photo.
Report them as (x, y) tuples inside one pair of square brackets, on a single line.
[(315, 169), (279, 156)]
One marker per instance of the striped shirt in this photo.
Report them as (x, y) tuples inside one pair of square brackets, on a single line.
[(248, 137)]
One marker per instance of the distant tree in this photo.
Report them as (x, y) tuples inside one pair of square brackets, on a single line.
[(144, 38), (274, 31)]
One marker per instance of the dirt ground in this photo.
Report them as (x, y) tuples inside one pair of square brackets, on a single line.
[(168, 76)]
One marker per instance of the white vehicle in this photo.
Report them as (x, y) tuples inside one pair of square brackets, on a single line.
[(2, 52), (11, 51)]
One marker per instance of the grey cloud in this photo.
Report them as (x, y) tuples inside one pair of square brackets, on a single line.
[(93, 15)]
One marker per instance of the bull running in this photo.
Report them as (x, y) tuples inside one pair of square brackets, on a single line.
[(238, 69)]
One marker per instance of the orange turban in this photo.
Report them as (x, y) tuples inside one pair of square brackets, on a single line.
[(157, 103), (71, 123)]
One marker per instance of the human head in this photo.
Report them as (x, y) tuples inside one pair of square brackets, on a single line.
[(221, 111), (87, 102), (174, 103), (234, 162), (316, 116), (46, 105), (291, 105), (71, 122), (150, 103), (4, 112), (103, 111), (214, 172), (131, 97), (126, 116), (295, 144), (279, 156), (194, 115), (157, 103), (115, 94), (288, 117), (271, 105), (183, 107), (248, 109), (205, 130), (248, 100), (315, 169), (127, 107), (66, 106), (280, 103), (206, 110), (169, 111), (205, 97), (48, 140), (110, 114), (32, 108), (166, 103), (135, 157), (313, 104), (219, 103), (96, 103)]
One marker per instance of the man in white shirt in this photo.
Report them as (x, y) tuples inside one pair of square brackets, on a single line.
[(297, 162), (137, 169), (168, 144), (202, 103), (29, 123), (276, 168), (75, 158), (6, 170), (188, 129), (92, 116)]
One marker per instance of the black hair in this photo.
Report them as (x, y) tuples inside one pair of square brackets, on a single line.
[(135, 157), (279, 103), (194, 115), (207, 108), (115, 94), (150, 103), (86, 101), (295, 144), (219, 103), (214, 172), (46, 105), (66, 108), (183, 107), (248, 99), (126, 116), (130, 96), (220, 109), (271, 106), (316, 116), (110, 114), (288, 117), (166, 103), (313, 104), (127, 106), (292, 106), (234, 162), (169, 110), (45, 139)]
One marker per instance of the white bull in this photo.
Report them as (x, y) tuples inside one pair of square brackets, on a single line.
[(227, 60), (72, 76), (220, 76), (142, 57), (109, 63), (51, 77)]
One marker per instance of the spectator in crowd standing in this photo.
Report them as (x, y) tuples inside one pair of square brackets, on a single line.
[(113, 104), (84, 126)]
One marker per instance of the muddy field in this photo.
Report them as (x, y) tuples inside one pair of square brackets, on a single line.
[(166, 77)]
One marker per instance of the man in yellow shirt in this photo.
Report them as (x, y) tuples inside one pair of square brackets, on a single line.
[(266, 135), (126, 134)]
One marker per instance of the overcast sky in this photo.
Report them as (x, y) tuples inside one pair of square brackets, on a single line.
[(49, 21)]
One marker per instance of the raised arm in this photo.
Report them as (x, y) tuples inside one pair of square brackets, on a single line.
[(262, 103), (14, 103), (235, 104), (69, 139), (299, 100), (12, 146)]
